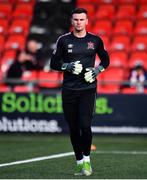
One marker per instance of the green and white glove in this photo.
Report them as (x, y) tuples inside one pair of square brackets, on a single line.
[(73, 67), (91, 73)]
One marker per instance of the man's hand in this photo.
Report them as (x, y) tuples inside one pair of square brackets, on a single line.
[(73, 67), (91, 74)]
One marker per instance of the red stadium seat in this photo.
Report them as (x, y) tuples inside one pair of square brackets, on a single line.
[(7, 59), (19, 26), (105, 11), (90, 8), (23, 10), (2, 42), (141, 27), (113, 74), (139, 43), (5, 8), (142, 12), (30, 75), (15, 41), (118, 59), (138, 57), (129, 90), (145, 91), (3, 26), (108, 89), (4, 12), (143, 2), (112, 79), (105, 1), (9, 54), (31, 2), (24, 89), (106, 41), (49, 79), (126, 11), (120, 43), (4, 88), (102, 27), (80, 2), (123, 27), (133, 2)]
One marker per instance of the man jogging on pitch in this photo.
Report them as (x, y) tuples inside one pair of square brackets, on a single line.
[(75, 54)]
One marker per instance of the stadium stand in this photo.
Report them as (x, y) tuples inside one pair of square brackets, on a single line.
[(122, 24)]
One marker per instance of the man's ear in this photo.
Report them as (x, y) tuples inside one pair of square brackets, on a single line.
[(87, 22), (71, 21)]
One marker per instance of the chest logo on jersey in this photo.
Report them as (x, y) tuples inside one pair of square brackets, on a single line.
[(70, 46), (90, 45)]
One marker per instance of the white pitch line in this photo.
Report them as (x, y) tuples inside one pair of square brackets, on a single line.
[(38, 159), (122, 152), (54, 156)]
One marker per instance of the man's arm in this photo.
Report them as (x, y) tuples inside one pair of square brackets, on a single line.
[(56, 58), (57, 62), (103, 55)]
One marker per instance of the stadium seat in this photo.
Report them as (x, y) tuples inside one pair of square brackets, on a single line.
[(23, 10), (104, 2), (120, 43), (143, 2), (105, 11), (24, 89), (129, 90), (9, 54), (113, 74), (145, 91), (139, 43), (49, 79), (4, 88), (137, 57), (141, 27), (5, 9), (2, 42), (106, 41), (118, 59), (3, 26), (15, 41), (30, 76), (108, 89), (142, 12), (31, 2), (7, 59), (102, 27), (79, 2), (19, 26), (90, 8), (124, 27), (126, 11), (112, 79), (134, 2)]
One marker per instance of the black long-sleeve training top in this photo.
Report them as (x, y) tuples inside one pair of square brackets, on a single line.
[(70, 48)]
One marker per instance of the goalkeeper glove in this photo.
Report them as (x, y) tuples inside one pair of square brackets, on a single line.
[(91, 74), (73, 67)]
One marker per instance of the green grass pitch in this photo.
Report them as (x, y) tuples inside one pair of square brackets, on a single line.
[(113, 159)]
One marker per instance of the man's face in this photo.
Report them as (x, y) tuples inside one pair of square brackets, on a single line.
[(79, 21)]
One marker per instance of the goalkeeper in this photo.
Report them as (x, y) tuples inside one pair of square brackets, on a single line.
[(75, 54)]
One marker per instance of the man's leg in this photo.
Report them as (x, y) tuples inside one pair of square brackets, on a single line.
[(70, 109), (86, 107)]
